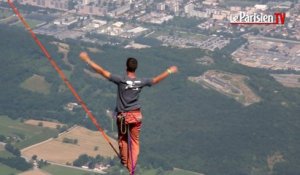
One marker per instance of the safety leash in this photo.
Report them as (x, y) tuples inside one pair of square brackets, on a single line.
[(62, 75)]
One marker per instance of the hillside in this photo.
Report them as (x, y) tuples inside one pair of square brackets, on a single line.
[(185, 125)]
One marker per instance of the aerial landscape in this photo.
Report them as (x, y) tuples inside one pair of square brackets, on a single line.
[(231, 109)]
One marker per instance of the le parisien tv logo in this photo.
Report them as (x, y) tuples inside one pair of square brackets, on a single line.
[(277, 18)]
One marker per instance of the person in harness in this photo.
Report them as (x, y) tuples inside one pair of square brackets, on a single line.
[(128, 108)]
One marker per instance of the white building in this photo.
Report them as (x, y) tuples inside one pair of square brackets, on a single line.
[(137, 30), (161, 6), (86, 2), (210, 2), (235, 8), (189, 8), (176, 8), (118, 24), (261, 7), (100, 22), (219, 16), (199, 14)]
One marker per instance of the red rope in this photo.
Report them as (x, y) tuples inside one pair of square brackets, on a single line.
[(62, 75)]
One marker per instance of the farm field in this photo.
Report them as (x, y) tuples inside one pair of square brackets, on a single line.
[(5, 170), (176, 171), (53, 150), (32, 23), (59, 170), (5, 154), (288, 80), (1, 148), (9, 20), (35, 172), (37, 83), (181, 34), (27, 134), (45, 124)]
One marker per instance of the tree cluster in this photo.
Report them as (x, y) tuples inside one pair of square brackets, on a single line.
[(85, 160), (2, 138), (18, 163), (10, 148)]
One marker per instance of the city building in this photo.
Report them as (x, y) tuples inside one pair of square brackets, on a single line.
[(210, 2), (176, 8), (121, 10), (86, 2), (261, 7), (161, 6), (219, 16), (92, 10), (53, 4), (189, 8)]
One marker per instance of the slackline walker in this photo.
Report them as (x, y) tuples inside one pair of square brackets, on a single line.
[(62, 75), (128, 108)]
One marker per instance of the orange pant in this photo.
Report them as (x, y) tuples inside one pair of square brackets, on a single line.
[(129, 149)]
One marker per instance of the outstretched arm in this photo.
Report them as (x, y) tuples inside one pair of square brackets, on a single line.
[(165, 74), (85, 57)]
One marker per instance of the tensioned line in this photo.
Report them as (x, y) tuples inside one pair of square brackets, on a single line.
[(62, 75)]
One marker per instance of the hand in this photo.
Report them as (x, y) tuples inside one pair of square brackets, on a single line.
[(173, 69), (85, 57)]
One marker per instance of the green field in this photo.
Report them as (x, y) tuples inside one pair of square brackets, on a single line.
[(32, 23), (194, 36), (5, 13), (5, 154), (1, 148), (58, 170), (37, 83), (2, 14), (181, 172), (174, 172), (29, 134), (5, 170), (8, 20)]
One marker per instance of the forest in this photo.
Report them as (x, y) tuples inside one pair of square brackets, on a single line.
[(185, 125)]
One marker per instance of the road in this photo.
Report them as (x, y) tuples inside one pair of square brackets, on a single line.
[(277, 39)]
